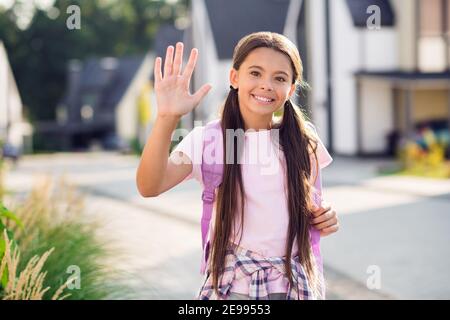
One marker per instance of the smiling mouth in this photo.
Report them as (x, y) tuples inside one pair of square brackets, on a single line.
[(262, 100)]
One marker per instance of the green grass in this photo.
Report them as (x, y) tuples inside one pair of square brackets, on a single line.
[(437, 172), (75, 245), (56, 220), (441, 172)]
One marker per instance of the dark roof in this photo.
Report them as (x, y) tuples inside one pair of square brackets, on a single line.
[(358, 11), (167, 35), (232, 19), (409, 79), (115, 89), (107, 79), (405, 75)]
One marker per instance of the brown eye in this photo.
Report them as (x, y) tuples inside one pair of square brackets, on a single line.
[(254, 73), (281, 79)]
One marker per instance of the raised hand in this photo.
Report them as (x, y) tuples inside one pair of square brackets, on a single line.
[(172, 89)]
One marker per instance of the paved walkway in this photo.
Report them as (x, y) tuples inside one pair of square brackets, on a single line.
[(397, 225)]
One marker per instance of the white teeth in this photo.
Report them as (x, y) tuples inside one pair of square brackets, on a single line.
[(262, 99)]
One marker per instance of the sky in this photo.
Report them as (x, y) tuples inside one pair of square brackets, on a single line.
[(26, 11), (46, 3), (40, 3)]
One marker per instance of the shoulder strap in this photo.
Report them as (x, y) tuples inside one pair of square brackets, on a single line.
[(314, 233), (212, 171), (317, 198)]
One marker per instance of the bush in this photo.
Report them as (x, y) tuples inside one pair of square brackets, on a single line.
[(56, 228), (29, 284), (425, 156)]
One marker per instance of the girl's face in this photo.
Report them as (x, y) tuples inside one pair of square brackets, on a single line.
[(264, 81)]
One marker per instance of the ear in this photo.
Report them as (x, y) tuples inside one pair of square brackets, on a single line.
[(292, 90), (234, 78)]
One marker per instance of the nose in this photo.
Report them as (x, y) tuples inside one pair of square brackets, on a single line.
[(266, 85)]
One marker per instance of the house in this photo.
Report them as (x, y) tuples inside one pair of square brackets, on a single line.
[(216, 28), (384, 80), (367, 82), (14, 130), (106, 104)]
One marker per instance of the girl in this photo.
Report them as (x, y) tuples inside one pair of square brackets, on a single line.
[(259, 219)]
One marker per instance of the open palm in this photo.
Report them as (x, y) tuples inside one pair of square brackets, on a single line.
[(172, 89)]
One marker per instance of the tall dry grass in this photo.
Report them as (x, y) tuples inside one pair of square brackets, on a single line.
[(29, 283), (58, 232)]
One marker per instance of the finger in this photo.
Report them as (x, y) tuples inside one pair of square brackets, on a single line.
[(157, 70), (169, 62), (318, 211), (187, 74), (203, 91), (178, 59), (326, 224), (327, 231), (325, 216)]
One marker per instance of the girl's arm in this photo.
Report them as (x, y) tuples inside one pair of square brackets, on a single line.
[(156, 172)]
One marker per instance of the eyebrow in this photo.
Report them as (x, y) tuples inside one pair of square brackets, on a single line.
[(258, 67)]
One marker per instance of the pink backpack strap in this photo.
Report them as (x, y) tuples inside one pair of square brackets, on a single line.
[(314, 233), (317, 199), (212, 171)]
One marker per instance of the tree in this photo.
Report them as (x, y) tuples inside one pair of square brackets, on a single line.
[(39, 54)]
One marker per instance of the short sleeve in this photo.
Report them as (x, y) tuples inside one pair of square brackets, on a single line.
[(323, 156), (192, 147)]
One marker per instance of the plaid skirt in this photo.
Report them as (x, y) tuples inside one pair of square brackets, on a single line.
[(240, 262)]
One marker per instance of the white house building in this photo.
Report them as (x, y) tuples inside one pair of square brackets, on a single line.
[(104, 104), (377, 68), (383, 80), (13, 129)]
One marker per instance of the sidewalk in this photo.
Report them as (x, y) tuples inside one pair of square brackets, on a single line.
[(398, 224)]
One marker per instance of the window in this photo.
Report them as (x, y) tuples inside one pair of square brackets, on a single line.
[(447, 20), (61, 114), (434, 27), (430, 13), (89, 102)]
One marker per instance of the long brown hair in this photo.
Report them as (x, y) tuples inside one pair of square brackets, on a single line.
[(296, 143)]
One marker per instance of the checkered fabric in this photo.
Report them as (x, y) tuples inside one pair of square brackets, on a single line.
[(240, 262)]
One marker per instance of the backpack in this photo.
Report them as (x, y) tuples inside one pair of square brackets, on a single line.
[(212, 177)]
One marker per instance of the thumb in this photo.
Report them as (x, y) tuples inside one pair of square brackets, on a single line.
[(202, 92)]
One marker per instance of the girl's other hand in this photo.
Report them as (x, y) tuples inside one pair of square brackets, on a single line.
[(172, 89), (325, 219)]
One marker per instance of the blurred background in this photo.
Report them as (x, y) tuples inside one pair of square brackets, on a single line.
[(77, 104)]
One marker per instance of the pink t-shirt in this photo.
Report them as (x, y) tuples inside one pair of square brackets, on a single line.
[(266, 215)]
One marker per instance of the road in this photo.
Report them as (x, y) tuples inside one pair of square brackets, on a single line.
[(393, 228)]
